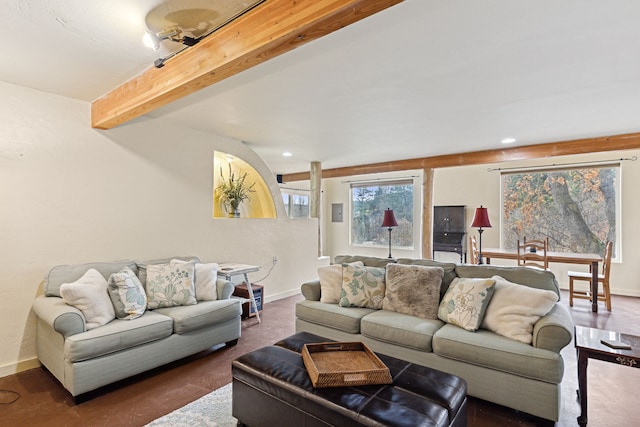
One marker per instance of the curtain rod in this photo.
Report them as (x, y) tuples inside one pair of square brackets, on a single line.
[(381, 179), (558, 165)]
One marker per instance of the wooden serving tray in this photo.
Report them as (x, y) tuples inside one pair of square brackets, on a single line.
[(340, 364)]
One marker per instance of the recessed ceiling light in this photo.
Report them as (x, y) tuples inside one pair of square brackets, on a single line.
[(508, 140), (287, 154)]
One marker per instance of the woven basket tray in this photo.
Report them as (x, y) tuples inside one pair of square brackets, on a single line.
[(339, 364)]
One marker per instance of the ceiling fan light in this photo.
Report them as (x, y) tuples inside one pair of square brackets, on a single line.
[(150, 40)]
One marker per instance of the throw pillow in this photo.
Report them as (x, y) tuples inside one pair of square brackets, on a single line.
[(331, 282), (89, 295), (514, 309), (171, 284), (362, 286), (413, 289), (127, 294), (465, 302), (205, 280)]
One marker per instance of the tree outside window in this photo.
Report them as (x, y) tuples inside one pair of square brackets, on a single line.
[(368, 203), (575, 208)]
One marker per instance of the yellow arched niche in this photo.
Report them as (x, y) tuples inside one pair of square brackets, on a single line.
[(260, 204)]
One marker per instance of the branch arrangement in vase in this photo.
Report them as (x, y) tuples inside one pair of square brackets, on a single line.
[(234, 190)]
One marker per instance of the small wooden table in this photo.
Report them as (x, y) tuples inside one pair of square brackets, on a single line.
[(588, 345), (561, 257)]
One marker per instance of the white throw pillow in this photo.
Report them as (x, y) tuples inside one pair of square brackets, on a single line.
[(89, 295), (206, 278), (170, 284), (331, 282), (514, 309)]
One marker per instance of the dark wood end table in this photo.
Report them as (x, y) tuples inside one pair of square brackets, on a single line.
[(588, 345)]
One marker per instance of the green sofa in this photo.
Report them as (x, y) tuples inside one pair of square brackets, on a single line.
[(525, 377), (84, 360)]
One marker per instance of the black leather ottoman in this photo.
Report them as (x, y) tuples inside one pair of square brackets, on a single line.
[(271, 387)]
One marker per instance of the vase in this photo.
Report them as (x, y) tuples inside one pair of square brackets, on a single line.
[(235, 213)]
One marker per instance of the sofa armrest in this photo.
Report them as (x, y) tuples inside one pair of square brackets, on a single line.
[(311, 290), (555, 330), (225, 288), (62, 318)]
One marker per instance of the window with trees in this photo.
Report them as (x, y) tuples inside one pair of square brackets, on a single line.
[(368, 202), (576, 208)]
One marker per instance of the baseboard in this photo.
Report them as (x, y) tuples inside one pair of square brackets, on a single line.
[(23, 365), (281, 295), (614, 292)]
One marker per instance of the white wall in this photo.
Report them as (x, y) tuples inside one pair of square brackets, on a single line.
[(71, 194), (337, 234)]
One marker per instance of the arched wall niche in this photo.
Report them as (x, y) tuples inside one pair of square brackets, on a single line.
[(261, 203)]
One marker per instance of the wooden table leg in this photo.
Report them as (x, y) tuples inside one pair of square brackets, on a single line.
[(594, 286), (583, 359)]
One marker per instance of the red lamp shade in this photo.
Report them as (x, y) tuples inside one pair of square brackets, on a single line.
[(389, 219), (481, 218)]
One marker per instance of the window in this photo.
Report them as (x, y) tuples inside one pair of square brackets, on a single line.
[(576, 208), (296, 203), (368, 202)]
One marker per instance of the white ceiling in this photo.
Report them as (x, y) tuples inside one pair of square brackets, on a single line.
[(423, 78)]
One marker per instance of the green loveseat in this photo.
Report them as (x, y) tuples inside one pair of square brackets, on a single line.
[(84, 360)]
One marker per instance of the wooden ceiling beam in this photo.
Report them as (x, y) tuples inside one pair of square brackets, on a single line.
[(577, 146), (270, 29)]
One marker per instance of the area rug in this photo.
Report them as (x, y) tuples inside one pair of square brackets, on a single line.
[(214, 409)]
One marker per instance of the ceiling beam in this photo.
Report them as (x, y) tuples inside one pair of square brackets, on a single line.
[(627, 141), (270, 29)]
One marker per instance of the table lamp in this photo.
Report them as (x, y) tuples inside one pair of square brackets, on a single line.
[(389, 221), (480, 219)]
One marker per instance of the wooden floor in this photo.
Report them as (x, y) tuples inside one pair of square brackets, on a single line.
[(41, 401)]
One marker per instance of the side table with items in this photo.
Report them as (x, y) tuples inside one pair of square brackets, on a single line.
[(228, 270), (603, 345)]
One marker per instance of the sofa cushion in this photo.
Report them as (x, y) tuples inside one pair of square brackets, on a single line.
[(89, 295), (532, 277), (413, 289), (448, 267), (205, 314), (127, 294), (465, 302), (370, 261), (400, 329), (493, 351), (117, 335), (171, 284), (331, 282), (345, 319), (362, 286), (514, 309), (70, 273)]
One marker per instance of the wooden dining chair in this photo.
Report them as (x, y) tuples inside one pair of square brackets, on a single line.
[(533, 253), (473, 250), (602, 278)]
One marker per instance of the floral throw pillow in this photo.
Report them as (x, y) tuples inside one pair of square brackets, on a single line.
[(127, 294), (465, 302), (362, 286), (171, 284)]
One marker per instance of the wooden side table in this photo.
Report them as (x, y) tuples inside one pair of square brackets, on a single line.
[(228, 270), (588, 345)]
